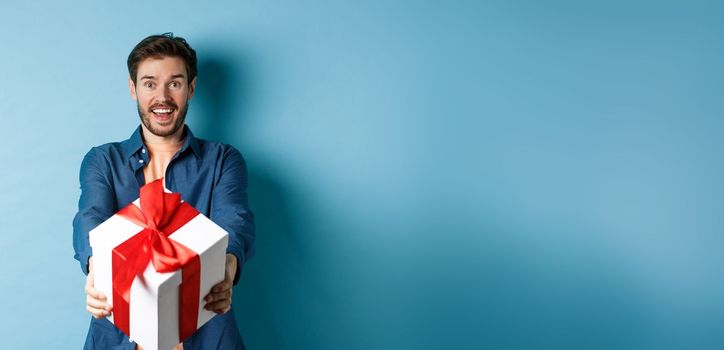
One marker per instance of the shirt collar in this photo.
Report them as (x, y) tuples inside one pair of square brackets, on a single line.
[(135, 143), (190, 141)]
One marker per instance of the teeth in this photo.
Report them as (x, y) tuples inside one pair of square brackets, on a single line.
[(162, 110)]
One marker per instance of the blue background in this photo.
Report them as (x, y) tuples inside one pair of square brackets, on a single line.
[(425, 175)]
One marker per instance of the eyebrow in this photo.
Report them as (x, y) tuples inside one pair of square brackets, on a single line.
[(175, 76)]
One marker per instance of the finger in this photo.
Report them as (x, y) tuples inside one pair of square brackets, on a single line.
[(105, 308), (213, 295), (218, 296), (223, 285), (95, 293), (98, 304), (219, 306), (219, 300), (97, 313)]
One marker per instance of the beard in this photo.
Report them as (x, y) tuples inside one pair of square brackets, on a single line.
[(177, 124)]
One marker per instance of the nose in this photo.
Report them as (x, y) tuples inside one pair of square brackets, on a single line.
[(166, 93), (163, 95)]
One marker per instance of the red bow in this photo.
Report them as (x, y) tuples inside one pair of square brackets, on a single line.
[(160, 215)]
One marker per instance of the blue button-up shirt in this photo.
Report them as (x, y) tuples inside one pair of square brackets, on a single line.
[(210, 176)]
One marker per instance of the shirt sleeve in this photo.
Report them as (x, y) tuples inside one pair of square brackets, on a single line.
[(96, 203), (230, 207)]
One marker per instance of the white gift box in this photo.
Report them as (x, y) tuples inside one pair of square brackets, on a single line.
[(154, 302)]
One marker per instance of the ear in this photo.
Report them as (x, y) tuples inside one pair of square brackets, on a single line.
[(192, 88), (132, 89)]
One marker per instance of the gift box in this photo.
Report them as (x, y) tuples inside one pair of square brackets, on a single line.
[(155, 260)]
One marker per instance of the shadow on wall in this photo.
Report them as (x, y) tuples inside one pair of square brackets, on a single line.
[(214, 94), (280, 300), (503, 281)]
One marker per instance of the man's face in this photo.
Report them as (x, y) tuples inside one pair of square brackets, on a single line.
[(162, 92)]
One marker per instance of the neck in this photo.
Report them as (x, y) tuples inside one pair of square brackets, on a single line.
[(173, 139)]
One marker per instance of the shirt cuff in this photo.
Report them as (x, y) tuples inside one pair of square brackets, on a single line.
[(83, 257)]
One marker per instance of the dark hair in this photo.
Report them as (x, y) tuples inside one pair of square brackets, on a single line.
[(159, 46)]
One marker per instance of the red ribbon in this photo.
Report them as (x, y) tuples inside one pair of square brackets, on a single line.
[(160, 215)]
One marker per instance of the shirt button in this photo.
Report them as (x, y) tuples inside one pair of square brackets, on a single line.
[(143, 150), (140, 160)]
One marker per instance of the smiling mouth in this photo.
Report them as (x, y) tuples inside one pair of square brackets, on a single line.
[(162, 113)]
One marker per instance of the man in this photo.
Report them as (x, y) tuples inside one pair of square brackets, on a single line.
[(210, 176)]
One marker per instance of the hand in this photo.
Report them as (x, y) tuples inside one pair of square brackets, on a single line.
[(219, 299), (95, 300)]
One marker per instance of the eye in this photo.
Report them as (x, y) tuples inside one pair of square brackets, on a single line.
[(148, 84), (175, 84)]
